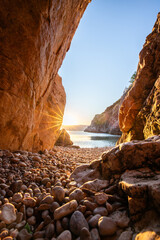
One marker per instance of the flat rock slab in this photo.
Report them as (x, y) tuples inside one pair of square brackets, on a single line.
[(131, 155), (87, 172), (95, 185), (141, 183)]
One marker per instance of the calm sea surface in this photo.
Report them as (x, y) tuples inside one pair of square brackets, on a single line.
[(91, 140)]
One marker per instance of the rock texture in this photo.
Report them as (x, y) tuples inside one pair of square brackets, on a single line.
[(35, 36), (106, 122), (41, 199), (131, 155), (63, 139), (132, 172), (140, 111)]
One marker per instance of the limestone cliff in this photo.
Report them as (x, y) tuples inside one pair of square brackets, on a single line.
[(106, 122), (140, 111), (35, 36)]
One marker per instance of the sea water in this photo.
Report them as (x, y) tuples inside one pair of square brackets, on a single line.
[(91, 140)]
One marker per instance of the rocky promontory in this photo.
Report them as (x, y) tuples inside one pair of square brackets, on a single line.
[(106, 122)]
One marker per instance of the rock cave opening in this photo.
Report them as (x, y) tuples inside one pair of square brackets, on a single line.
[(54, 193)]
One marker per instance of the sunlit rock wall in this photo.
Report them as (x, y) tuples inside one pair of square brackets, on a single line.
[(139, 116), (106, 122), (34, 38)]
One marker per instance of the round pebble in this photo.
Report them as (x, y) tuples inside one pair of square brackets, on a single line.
[(106, 226), (77, 222)]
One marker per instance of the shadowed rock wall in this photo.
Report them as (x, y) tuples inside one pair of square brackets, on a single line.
[(34, 38), (140, 111)]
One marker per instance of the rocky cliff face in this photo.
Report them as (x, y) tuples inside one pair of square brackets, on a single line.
[(132, 178), (107, 122), (35, 36), (140, 111)]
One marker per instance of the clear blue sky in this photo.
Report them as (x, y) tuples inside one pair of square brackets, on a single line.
[(104, 54)]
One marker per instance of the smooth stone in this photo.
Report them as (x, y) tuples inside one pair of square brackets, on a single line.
[(31, 220), (39, 227), (101, 198), (66, 235), (29, 211), (19, 217), (44, 206), (2, 224), (95, 234), (93, 222), (109, 207), (54, 206), (106, 226), (17, 197), (45, 213), (24, 234), (65, 209), (47, 199), (100, 210), (77, 194), (147, 235), (81, 208), (8, 213), (16, 186), (85, 234), (59, 228), (14, 233), (127, 235), (50, 230), (95, 185), (45, 180), (39, 235), (4, 233), (20, 225), (89, 205), (65, 223), (8, 238), (29, 202), (58, 193), (77, 222)]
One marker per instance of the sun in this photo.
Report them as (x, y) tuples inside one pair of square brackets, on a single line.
[(69, 119)]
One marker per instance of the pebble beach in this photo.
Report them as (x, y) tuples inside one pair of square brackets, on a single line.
[(39, 200)]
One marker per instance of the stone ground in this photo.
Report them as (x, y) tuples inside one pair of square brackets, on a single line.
[(77, 156), (39, 200), (33, 185)]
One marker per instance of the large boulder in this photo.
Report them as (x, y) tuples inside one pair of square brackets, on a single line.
[(131, 155), (63, 139), (35, 36)]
